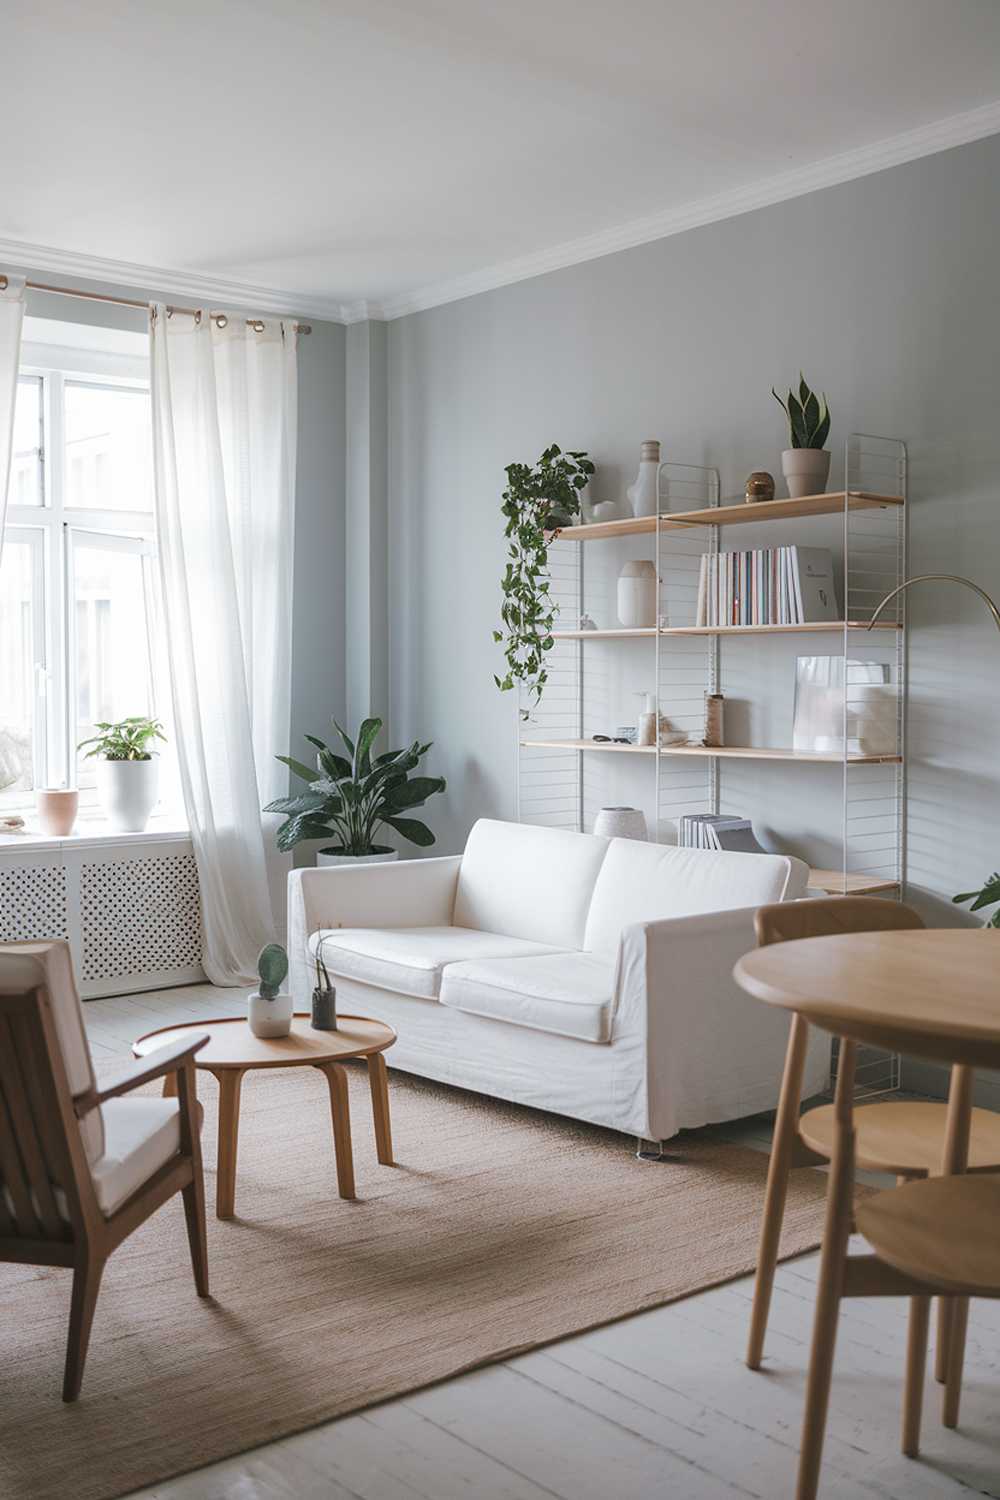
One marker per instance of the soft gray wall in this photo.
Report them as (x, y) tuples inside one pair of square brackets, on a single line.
[(884, 291), (366, 645)]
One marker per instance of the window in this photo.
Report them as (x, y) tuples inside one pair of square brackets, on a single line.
[(78, 587)]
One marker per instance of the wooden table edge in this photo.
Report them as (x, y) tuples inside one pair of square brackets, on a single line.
[(279, 1062)]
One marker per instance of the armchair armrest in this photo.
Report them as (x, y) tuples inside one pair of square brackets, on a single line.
[(169, 1058)]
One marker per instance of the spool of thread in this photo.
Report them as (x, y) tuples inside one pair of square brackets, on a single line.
[(714, 703)]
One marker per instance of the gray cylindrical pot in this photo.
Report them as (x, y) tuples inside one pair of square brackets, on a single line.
[(324, 1009)]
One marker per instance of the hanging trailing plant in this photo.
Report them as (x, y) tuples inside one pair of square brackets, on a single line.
[(538, 499)]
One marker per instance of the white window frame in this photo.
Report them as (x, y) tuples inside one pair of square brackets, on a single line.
[(54, 530)]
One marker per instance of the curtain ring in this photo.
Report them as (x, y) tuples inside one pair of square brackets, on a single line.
[(257, 326), (221, 320), (3, 283), (197, 318)]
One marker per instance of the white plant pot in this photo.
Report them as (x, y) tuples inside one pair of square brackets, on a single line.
[(329, 857), (269, 1018), (637, 595), (127, 791), (621, 823), (806, 471)]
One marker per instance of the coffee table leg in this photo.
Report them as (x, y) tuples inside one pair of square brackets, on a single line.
[(379, 1083), (229, 1080), (340, 1112)]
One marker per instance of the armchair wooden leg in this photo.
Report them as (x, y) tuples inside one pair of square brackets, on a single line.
[(87, 1275), (916, 1364), (782, 1145), (194, 1193)]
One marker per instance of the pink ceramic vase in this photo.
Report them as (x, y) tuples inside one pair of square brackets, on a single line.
[(57, 811)]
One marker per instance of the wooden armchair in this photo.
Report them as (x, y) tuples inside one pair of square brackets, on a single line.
[(82, 1167)]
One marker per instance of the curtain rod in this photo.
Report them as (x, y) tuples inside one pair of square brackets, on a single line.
[(190, 312)]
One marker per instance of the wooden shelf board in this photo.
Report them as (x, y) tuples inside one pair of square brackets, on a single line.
[(835, 883), (647, 632), (730, 752), (730, 515)]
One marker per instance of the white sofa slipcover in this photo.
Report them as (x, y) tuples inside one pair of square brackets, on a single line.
[(591, 977)]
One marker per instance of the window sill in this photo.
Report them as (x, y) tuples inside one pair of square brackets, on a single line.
[(93, 833)]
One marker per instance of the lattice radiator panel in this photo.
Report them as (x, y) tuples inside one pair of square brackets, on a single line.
[(131, 914)]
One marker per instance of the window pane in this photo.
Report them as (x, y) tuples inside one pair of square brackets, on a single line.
[(112, 677), (26, 458), (18, 700), (108, 448)]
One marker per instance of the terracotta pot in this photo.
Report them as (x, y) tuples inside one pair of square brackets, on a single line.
[(57, 811)]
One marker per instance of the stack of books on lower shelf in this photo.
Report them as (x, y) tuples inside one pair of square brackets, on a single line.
[(718, 831), (767, 586)]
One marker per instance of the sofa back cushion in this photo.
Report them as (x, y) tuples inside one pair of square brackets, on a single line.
[(525, 882), (642, 882)]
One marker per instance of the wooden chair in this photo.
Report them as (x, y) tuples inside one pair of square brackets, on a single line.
[(910, 1140), (82, 1167)]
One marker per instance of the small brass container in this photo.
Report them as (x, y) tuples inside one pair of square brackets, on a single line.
[(760, 486)]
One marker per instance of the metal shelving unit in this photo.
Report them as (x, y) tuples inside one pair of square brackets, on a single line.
[(564, 777)]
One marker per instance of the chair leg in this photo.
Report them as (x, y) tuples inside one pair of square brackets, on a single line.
[(87, 1275), (916, 1364), (785, 1133), (946, 1307), (956, 1359), (194, 1214)]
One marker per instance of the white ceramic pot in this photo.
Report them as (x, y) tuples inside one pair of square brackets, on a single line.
[(621, 823), (637, 595), (127, 791), (806, 471), (332, 857), (643, 493), (269, 1018)]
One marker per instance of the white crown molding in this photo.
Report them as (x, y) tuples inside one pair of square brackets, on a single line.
[(955, 130), (43, 258)]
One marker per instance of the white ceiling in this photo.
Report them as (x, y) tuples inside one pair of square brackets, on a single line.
[(403, 152)]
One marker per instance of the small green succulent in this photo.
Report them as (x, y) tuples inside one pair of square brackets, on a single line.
[(808, 416)]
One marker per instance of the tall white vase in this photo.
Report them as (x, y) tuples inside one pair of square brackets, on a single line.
[(127, 791), (637, 595), (642, 493)]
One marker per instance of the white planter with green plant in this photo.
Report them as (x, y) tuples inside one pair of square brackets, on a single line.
[(350, 798), (128, 771), (806, 464), (269, 1008)]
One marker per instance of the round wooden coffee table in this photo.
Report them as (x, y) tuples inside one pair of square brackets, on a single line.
[(233, 1050)]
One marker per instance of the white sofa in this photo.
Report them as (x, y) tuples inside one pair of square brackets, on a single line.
[(587, 976)]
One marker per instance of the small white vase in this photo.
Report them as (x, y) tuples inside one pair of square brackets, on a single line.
[(269, 1018), (334, 857), (620, 823), (806, 471), (127, 791), (637, 595), (643, 493)]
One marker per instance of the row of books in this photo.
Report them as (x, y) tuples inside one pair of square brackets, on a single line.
[(717, 831), (767, 586)]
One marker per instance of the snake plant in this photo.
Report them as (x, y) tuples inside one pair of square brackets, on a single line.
[(808, 416)]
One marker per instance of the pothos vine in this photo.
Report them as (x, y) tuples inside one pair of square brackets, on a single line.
[(538, 500)]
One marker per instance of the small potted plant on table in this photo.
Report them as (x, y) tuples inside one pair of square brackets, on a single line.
[(270, 1008), (128, 771)]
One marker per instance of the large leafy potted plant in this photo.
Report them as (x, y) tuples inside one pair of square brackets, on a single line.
[(538, 500), (350, 798), (128, 770), (805, 465), (987, 895)]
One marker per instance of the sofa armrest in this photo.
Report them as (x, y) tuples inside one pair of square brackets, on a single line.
[(404, 893), (706, 1041)]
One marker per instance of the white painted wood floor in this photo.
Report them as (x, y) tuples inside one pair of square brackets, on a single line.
[(660, 1405)]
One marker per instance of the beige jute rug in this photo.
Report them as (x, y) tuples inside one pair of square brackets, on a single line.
[(500, 1229)]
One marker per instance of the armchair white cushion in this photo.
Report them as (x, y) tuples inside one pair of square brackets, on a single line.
[(587, 976)]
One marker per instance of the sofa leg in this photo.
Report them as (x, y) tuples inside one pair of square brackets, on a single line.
[(648, 1150)]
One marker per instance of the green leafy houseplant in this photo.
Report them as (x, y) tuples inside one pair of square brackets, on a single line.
[(808, 416), (129, 739), (351, 797), (988, 896), (272, 967), (538, 499)]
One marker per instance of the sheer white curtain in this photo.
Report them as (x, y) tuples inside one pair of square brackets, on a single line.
[(224, 421), (11, 319)]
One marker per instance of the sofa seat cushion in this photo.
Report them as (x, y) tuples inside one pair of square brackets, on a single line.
[(569, 994), (140, 1135), (411, 959)]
